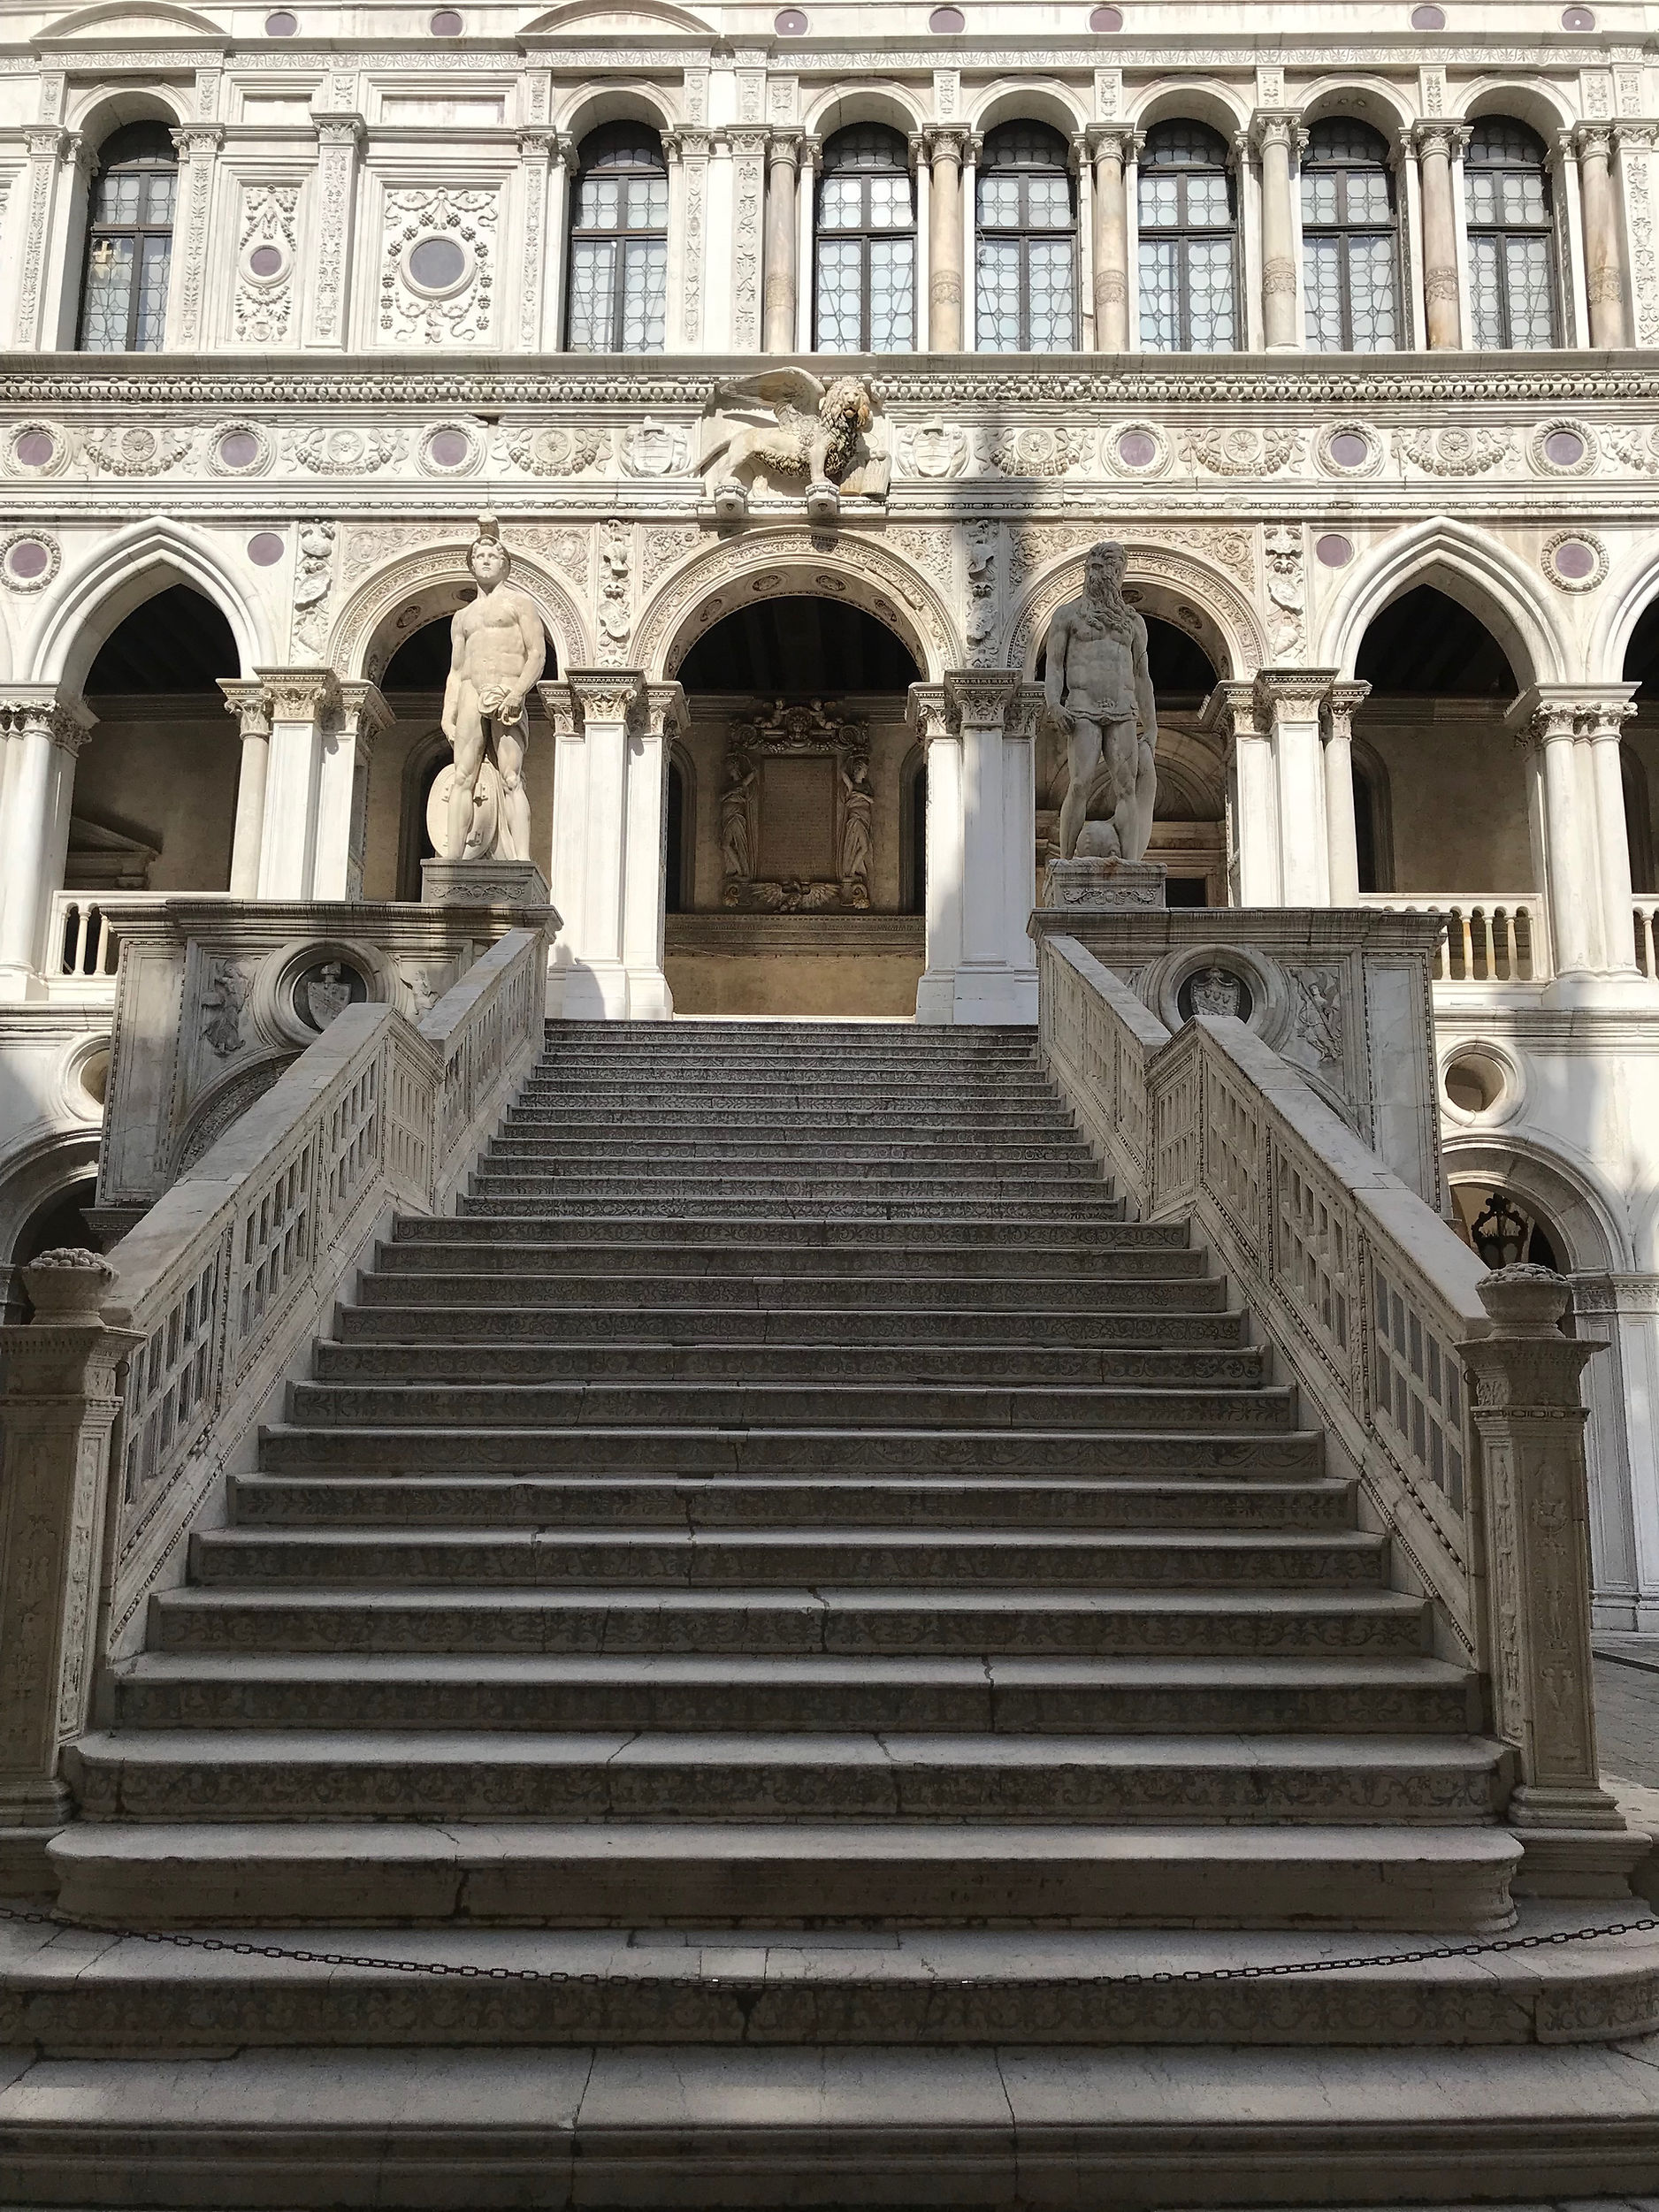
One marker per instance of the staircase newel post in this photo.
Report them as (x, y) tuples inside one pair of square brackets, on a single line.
[(1529, 1416), (59, 1393)]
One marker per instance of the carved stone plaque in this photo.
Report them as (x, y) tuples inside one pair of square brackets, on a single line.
[(798, 818)]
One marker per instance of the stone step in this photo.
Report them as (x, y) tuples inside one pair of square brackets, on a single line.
[(761, 1097), (819, 1233), (1145, 1302), (712, 1450), (991, 1366), (508, 1501), (903, 1118), (656, 1776), (1081, 1269), (879, 1326), (767, 1876), (1367, 1624), (969, 1188), (645, 1209), (540, 1691), (747, 1559), (743, 1152), (1269, 1408)]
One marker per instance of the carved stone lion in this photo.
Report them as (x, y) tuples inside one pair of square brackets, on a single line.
[(819, 431)]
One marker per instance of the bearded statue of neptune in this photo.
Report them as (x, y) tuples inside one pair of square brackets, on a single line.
[(1099, 699)]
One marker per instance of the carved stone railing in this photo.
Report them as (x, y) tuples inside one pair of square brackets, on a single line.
[(83, 941), (1375, 1309), (1492, 937), (142, 1381)]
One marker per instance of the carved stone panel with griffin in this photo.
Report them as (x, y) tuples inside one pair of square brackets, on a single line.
[(797, 811)]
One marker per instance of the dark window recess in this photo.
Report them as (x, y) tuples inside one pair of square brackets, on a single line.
[(129, 243)]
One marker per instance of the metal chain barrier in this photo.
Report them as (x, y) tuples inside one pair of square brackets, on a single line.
[(467, 1970)]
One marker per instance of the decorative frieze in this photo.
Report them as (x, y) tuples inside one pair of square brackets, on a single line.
[(267, 249)]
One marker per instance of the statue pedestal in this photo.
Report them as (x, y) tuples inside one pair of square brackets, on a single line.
[(482, 884), (1103, 887)]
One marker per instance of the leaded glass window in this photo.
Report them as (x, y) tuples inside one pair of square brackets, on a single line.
[(864, 294), (1511, 236), (1027, 243), (129, 243), (1349, 287), (619, 244), (1188, 242)]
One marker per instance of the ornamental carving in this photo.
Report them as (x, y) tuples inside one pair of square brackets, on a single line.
[(934, 450), (554, 453), (797, 812), (654, 449), (312, 584), (345, 451), (1034, 452), (1244, 451), (138, 451), (1455, 451), (985, 620), (1638, 449), (1287, 587), (666, 545), (438, 270), (567, 549), (266, 248), (614, 593), (819, 433)]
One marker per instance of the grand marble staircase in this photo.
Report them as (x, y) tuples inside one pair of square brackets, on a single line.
[(790, 1495)]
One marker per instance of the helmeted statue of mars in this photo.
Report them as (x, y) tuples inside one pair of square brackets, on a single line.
[(1100, 701), (498, 650)]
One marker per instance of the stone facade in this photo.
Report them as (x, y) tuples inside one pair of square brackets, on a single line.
[(310, 443)]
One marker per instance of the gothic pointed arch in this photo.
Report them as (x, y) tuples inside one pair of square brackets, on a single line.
[(1470, 566), (129, 566)]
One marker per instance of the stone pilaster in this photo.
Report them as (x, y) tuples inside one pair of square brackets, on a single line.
[(47, 732), (250, 703), (748, 195), (1435, 144), (302, 701), (1291, 703), (595, 714), (538, 148), (1529, 1414), (198, 145), (1111, 148), (59, 1401), (53, 151), (339, 139), (1341, 701), (687, 150), (1233, 713), (1634, 143), (343, 790), (1277, 138)]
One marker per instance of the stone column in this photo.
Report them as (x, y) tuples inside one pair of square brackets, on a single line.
[(1343, 865), (53, 151), (1603, 268), (250, 703), (343, 790), (1544, 719), (942, 744), (1290, 702), (1599, 723), (946, 146), (538, 146), (781, 287), (1275, 138), (59, 1402), (1233, 713), (337, 140), (198, 145), (1434, 144), (302, 701), (1113, 146), (46, 733), (591, 824), (748, 193), (645, 874), (1528, 1412)]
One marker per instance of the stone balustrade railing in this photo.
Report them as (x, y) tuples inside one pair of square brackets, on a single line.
[(83, 938), (1645, 930), (1381, 1317), (1494, 937), (142, 1381)]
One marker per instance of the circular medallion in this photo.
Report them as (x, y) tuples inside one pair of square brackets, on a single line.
[(435, 264), (446, 24), (1350, 450), (447, 450), (326, 990), (1563, 448), (944, 19), (1428, 18), (281, 25), (1578, 20), (265, 549), (1107, 20), (1334, 550), (1215, 990), (238, 449), (1137, 448), (34, 448), (30, 560), (1575, 560), (790, 23), (265, 261)]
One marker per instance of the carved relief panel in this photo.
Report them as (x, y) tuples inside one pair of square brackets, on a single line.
[(797, 812), (437, 282)]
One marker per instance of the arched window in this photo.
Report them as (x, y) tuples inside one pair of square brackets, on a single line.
[(619, 243), (1350, 289), (129, 242), (865, 290), (1187, 280), (1511, 236), (1027, 243)]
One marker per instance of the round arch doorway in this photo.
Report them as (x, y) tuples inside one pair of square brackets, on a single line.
[(797, 818)]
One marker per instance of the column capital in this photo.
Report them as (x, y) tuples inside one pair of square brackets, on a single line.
[(344, 129), (39, 710), (1233, 710), (246, 698), (363, 712), (925, 711), (1277, 688), (300, 695), (1594, 139), (1434, 135), (1277, 126), (1341, 701), (664, 710), (685, 140), (1640, 136), (1110, 142), (604, 695), (46, 142), (980, 698), (784, 147), (191, 138), (1554, 712), (948, 141), (562, 711), (745, 139), (539, 140)]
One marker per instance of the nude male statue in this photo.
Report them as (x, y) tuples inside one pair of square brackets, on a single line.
[(498, 651), (1100, 701)]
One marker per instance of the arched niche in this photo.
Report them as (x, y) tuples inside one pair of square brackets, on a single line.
[(427, 586)]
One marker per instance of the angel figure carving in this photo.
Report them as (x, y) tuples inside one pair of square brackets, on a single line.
[(819, 432)]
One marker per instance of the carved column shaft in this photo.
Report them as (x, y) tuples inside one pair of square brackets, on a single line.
[(1434, 144), (1341, 831), (198, 145), (1600, 727), (1604, 263), (1529, 1414), (52, 150), (946, 150), (61, 1401), (1113, 147), (781, 289), (538, 151), (1580, 850), (47, 735), (250, 703), (1276, 138), (337, 140)]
